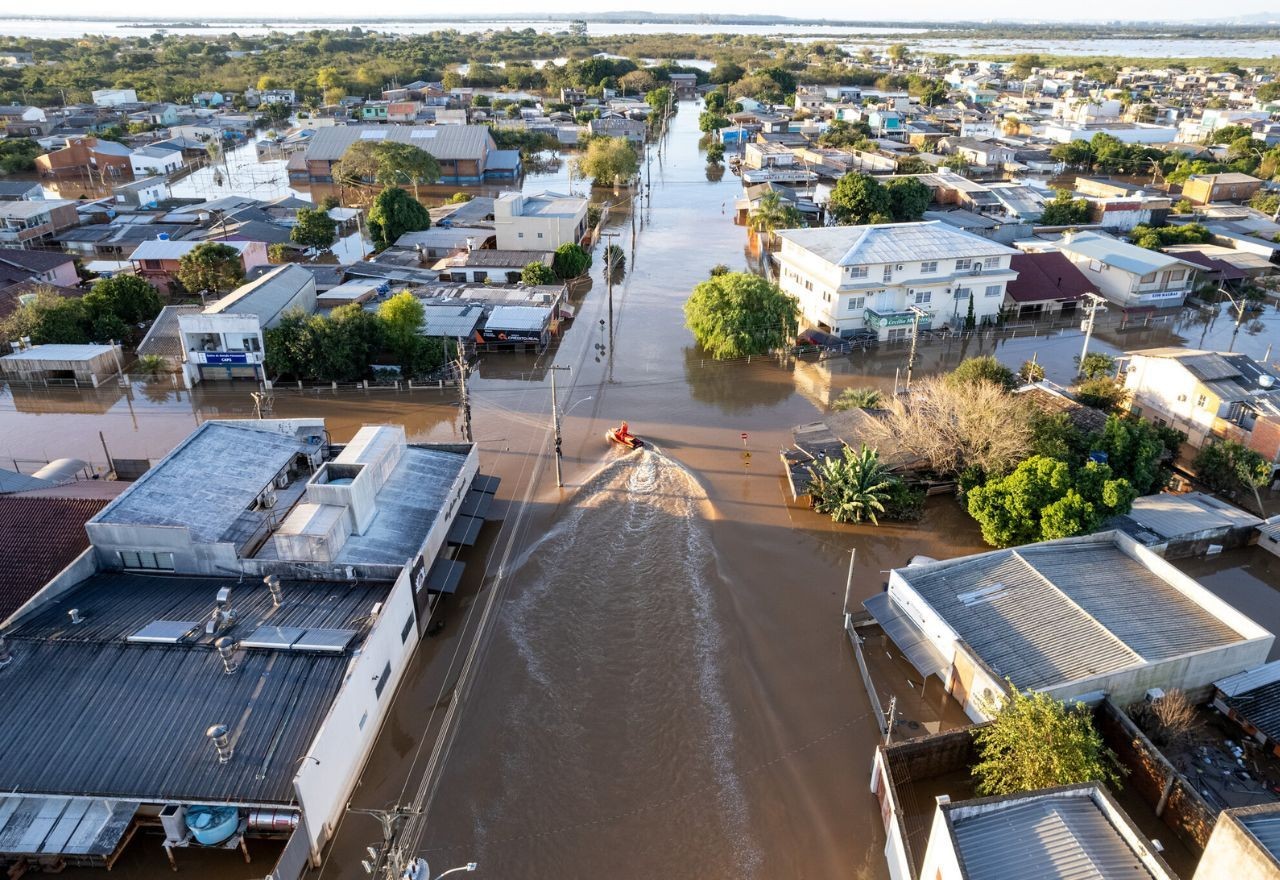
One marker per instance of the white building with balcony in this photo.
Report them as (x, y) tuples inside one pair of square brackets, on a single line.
[(852, 278), (1128, 275), (225, 339)]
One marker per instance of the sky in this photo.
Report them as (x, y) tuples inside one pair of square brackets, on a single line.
[(1079, 10)]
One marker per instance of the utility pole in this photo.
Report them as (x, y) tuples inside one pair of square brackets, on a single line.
[(1239, 306), (608, 271), (555, 423), (1093, 305), (387, 861), (464, 399), (893, 711), (916, 314)]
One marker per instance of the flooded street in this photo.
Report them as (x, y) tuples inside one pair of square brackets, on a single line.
[(662, 686)]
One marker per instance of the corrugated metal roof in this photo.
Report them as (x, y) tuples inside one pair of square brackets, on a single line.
[(1171, 515), (448, 142), (1050, 613), (1243, 682), (1255, 695), (1265, 827), (265, 297), (163, 338), (89, 713), (1048, 837), (1113, 252), (451, 321), (892, 243)]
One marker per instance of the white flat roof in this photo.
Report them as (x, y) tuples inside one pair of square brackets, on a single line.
[(59, 353)]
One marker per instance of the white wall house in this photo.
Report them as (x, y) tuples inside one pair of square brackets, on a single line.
[(146, 161), (1129, 275), (114, 97), (539, 222), (225, 340), (851, 278)]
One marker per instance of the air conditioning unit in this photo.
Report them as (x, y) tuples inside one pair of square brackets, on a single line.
[(283, 480), (267, 499), (901, 267)]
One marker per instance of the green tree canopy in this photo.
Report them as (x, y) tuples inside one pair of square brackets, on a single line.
[(211, 267), (1064, 210), (908, 199), (609, 161), (386, 163), (570, 261), (49, 319), (128, 297), (1044, 498), (1156, 237), (859, 398), (537, 273), (858, 198), (1229, 467), (739, 314), (394, 213), (315, 228), (984, 368), (1037, 742)]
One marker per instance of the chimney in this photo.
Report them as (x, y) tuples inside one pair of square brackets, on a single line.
[(227, 651), (5, 656), (273, 584), (221, 742), (76, 617)]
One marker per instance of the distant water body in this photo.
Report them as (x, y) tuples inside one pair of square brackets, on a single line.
[(851, 36)]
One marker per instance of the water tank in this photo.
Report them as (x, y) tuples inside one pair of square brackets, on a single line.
[(61, 470), (164, 236)]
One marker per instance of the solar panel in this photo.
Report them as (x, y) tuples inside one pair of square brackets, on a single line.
[(278, 638), (164, 632), (332, 640)]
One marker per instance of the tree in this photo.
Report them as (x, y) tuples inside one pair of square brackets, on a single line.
[(537, 273), (637, 82), (908, 199), (1024, 64), (658, 99), (1044, 498), (913, 165), (386, 163), (1102, 393), (717, 101), (771, 214), (983, 369), (609, 161), (1097, 365), (1064, 210), (859, 198), (49, 319), (394, 213), (1037, 742), (570, 261), (1156, 237), (315, 228), (897, 53), (211, 268), (726, 71), (1030, 372), (402, 320), (709, 121), (740, 314), (859, 398), (852, 488), (1136, 450), (128, 297), (842, 135), (1228, 467), (18, 155), (278, 252), (715, 153)]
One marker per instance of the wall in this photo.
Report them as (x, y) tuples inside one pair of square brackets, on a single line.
[(1234, 854)]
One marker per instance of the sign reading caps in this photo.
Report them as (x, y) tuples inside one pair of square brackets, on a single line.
[(226, 357)]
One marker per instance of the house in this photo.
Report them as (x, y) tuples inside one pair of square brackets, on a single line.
[(86, 154), (1252, 700), (1208, 396), (573, 97), (811, 99), (538, 222), (499, 266), (1128, 275), (27, 224), (1048, 284), (149, 160), (1075, 831), (1225, 187), (62, 364), (29, 122), (464, 152), (156, 260), (684, 85), (225, 340), (20, 190), (37, 267), (1244, 845), (285, 580), (12, 58), (886, 277), (208, 99), (988, 154), (1072, 618), (141, 193), (613, 125), (1187, 524), (113, 97), (432, 245)]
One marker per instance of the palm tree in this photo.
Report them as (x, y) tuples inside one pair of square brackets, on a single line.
[(859, 398), (851, 488), (771, 214)]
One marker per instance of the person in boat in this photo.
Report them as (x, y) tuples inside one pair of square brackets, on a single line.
[(622, 433)]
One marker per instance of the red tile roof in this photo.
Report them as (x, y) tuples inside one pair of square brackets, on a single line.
[(38, 538), (1222, 268), (1046, 276)]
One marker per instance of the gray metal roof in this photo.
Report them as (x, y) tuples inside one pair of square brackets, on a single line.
[(1265, 827), (1060, 836), (1171, 515), (446, 142), (892, 243), (265, 297), (1113, 252), (1255, 695), (451, 321), (87, 712), (1046, 614), (163, 338)]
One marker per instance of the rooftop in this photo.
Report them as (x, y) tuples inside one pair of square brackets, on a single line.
[(60, 352), (264, 297), (25, 210), (33, 261), (1113, 252), (1047, 275), (549, 204), (1061, 611), (1169, 516), (91, 711), (1263, 824), (157, 249), (892, 243), (1255, 695), (27, 564), (1228, 375), (446, 142)]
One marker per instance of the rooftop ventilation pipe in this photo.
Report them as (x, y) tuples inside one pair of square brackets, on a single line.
[(76, 617), (227, 651), (221, 742), (273, 584), (223, 616)]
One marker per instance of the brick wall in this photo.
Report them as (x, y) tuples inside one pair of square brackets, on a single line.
[(933, 755), (1265, 438)]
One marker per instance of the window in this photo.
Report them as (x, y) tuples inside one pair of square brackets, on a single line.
[(1095, 266), (962, 293), (539, 235), (928, 267), (383, 679), (961, 265), (1200, 401), (888, 273), (923, 296), (991, 263), (1147, 279), (857, 303), (519, 235), (146, 560), (406, 629), (995, 290), (857, 271)]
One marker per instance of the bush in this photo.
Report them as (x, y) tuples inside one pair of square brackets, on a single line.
[(740, 314), (1228, 467), (1168, 721), (394, 213), (903, 503), (570, 261), (1101, 393), (537, 273), (983, 369), (859, 398), (851, 488)]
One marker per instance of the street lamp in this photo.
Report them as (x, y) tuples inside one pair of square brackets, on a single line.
[(1239, 304), (418, 869), (468, 867)]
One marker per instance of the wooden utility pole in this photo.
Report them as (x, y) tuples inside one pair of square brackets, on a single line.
[(916, 314), (555, 423)]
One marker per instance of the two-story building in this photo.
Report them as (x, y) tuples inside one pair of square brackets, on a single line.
[(149, 160), (156, 260), (86, 154), (26, 224), (1128, 275), (466, 154), (1201, 189), (225, 339), (876, 277), (1208, 396), (538, 222)]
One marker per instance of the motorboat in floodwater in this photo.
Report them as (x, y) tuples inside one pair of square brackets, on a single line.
[(623, 437)]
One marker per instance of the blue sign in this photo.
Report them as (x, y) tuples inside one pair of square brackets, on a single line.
[(226, 357)]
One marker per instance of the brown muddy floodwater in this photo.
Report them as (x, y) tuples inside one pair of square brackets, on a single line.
[(663, 687)]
